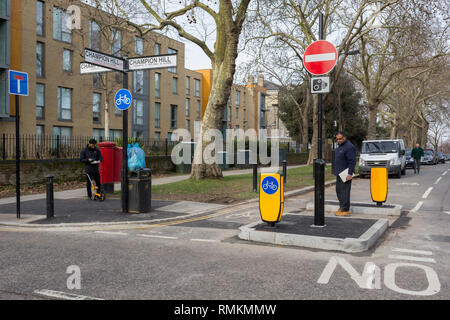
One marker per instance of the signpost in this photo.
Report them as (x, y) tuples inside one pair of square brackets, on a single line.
[(18, 86), (153, 62), (104, 60), (319, 58)]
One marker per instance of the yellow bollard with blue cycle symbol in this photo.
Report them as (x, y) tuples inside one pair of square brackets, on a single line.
[(271, 197)]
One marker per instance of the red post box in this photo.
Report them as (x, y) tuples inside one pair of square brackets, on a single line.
[(107, 166), (118, 159)]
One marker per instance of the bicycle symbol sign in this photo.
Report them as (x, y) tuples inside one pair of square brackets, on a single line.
[(123, 99), (270, 185)]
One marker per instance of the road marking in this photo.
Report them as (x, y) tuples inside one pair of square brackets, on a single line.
[(400, 257), (155, 236), (445, 172), (205, 240), (427, 193), (63, 295), (113, 233), (417, 207), (428, 253), (438, 179), (407, 184), (447, 212)]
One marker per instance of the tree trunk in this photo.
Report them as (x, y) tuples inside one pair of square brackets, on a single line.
[(373, 112), (305, 120)]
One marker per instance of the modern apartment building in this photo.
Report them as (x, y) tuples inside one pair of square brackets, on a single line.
[(4, 56), (64, 102)]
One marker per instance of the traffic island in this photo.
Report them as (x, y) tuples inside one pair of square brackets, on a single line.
[(362, 208), (339, 233)]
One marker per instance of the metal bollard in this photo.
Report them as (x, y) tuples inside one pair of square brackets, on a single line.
[(284, 171), (255, 177), (50, 199)]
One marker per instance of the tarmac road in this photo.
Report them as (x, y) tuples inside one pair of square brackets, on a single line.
[(204, 259)]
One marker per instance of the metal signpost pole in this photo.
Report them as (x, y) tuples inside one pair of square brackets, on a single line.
[(17, 158), (124, 187)]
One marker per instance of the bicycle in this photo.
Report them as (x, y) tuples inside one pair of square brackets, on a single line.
[(123, 99), (96, 194), (272, 186)]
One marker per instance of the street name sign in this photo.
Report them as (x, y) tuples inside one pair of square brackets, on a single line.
[(18, 83), (153, 62), (103, 60), (87, 68), (320, 57)]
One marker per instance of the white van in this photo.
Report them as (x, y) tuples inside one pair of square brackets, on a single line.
[(389, 153)]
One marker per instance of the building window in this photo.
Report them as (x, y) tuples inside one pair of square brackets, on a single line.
[(243, 115), (188, 86), (138, 82), (237, 113), (116, 49), (188, 124), (40, 60), (157, 114), (96, 102), (96, 80), (94, 36), (199, 110), (67, 60), (98, 134), (173, 116), (169, 136), (157, 136), (119, 77), (188, 107), (157, 85), (238, 98), (40, 100), (138, 112), (39, 130), (62, 131), (157, 49), (114, 134), (64, 103), (40, 18), (196, 88), (174, 85), (229, 113), (61, 31), (139, 46), (173, 69)]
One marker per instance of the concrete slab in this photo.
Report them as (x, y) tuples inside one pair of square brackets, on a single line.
[(340, 234), (362, 208)]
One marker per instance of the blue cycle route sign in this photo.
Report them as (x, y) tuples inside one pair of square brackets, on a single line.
[(270, 185), (123, 99), (18, 83)]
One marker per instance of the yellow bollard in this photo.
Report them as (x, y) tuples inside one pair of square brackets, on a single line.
[(379, 185), (271, 198)]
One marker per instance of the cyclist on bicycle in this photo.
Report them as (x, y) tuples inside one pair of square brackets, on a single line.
[(92, 157)]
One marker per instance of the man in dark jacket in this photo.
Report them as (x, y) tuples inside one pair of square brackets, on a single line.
[(417, 153), (92, 157), (344, 158)]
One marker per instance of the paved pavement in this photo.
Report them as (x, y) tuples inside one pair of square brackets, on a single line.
[(202, 258)]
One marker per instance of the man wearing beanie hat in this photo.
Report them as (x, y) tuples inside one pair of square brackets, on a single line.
[(91, 157)]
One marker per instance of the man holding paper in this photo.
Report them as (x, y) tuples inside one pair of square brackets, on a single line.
[(344, 167)]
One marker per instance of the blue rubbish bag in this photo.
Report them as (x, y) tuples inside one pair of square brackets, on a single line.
[(136, 157)]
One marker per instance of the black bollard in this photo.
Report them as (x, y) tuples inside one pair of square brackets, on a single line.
[(319, 193), (284, 171), (255, 177), (50, 199)]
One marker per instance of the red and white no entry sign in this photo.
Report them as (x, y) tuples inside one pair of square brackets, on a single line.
[(320, 57)]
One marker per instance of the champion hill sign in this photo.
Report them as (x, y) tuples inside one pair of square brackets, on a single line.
[(153, 62), (103, 60)]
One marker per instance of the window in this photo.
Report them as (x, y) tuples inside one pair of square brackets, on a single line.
[(139, 46), (61, 31), (137, 134), (238, 98), (188, 107), (40, 100), (169, 136), (40, 18), (199, 109), (138, 81), (188, 124), (173, 116), (173, 69), (119, 77), (196, 88), (116, 49), (157, 49), (62, 131), (237, 113), (114, 134), (157, 136), (98, 134), (96, 80), (67, 60), (94, 36), (138, 112), (243, 115), (39, 60), (157, 114), (39, 130), (174, 85), (157, 85), (96, 102), (188, 86), (64, 103)]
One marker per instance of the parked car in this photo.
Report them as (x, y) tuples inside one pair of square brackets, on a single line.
[(447, 157), (429, 157), (409, 159), (440, 157), (389, 153)]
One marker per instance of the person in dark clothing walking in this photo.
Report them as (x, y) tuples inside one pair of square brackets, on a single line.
[(92, 157), (345, 158), (417, 154)]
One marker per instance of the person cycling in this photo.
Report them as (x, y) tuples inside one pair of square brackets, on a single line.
[(91, 157)]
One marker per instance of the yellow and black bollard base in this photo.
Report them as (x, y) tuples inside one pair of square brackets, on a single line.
[(271, 198)]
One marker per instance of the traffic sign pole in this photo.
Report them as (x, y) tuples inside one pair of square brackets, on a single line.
[(124, 186), (17, 158)]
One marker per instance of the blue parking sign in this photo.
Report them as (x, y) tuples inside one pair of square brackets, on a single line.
[(123, 99), (18, 83)]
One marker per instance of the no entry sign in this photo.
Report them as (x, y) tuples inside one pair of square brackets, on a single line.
[(320, 57)]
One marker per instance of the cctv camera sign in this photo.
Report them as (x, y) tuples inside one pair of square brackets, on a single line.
[(320, 85), (320, 57)]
